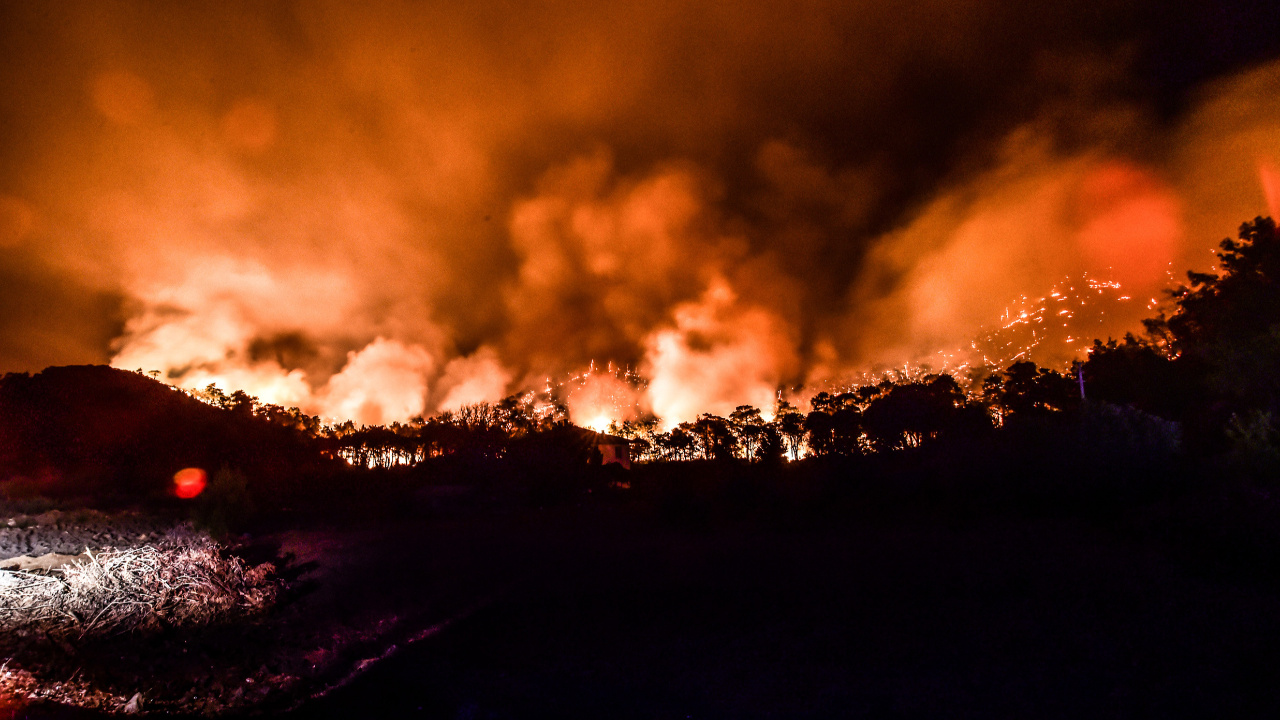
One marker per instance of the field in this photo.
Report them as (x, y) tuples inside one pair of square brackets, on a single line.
[(724, 600)]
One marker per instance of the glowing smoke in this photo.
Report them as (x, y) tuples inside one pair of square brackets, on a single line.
[(384, 382), (718, 356), (379, 210), (478, 378)]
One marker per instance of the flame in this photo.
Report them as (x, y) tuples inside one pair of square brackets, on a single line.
[(596, 399), (719, 355)]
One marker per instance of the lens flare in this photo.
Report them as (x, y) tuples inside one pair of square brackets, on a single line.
[(189, 482)]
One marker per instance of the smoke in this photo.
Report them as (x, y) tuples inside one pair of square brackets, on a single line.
[(478, 378), (1128, 201), (377, 211), (602, 258), (384, 382), (1024, 227), (718, 356)]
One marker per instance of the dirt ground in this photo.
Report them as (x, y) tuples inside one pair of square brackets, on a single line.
[(601, 611), (1035, 619), (71, 532)]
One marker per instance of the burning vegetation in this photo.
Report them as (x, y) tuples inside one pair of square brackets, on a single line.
[(902, 409), (303, 274), (364, 231), (969, 395), (1157, 427)]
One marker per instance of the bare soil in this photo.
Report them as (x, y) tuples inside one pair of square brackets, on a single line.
[(609, 610)]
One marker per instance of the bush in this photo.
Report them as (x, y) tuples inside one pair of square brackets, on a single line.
[(138, 590), (226, 504)]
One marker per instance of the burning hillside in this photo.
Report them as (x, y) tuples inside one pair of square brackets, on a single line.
[(395, 211)]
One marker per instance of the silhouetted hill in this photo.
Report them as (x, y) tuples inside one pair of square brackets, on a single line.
[(113, 434)]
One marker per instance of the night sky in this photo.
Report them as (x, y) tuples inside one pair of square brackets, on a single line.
[(377, 210)]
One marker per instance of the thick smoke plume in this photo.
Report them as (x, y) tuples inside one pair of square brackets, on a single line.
[(377, 211)]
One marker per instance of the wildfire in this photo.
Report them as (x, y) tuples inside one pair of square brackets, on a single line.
[(1072, 314), (598, 398)]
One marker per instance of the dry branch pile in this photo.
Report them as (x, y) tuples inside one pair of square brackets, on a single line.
[(136, 590)]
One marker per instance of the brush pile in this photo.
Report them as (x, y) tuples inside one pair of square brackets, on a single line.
[(138, 590)]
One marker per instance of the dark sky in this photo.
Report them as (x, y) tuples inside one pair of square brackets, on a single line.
[(381, 210)]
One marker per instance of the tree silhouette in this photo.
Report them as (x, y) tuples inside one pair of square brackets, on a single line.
[(1237, 306), (748, 428), (791, 430), (716, 437), (1025, 389), (1134, 372), (911, 413), (1225, 333), (821, 432)]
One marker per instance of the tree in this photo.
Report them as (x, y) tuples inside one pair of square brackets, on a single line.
[(1025, 389), (1239, 305), (748, 429), (821, 432), (835, 425), (846, 429), (717, 438), (1134, 372), (790, 423), (679, 443), (1225, 333), (911, 413)]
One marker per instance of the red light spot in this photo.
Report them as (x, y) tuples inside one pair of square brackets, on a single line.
[(189, 482)]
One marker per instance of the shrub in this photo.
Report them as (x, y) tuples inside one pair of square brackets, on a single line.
[(137, 590)]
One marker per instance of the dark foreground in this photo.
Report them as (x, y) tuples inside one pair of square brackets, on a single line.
[(1012, 619), (740, 597), (618, 608)]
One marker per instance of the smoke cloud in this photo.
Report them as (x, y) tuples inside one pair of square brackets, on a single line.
[(478, 378), (718, 356), (377, 211)]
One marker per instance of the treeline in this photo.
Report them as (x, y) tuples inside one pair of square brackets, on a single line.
[(892, 415), (482, 429), (1201, 382), (1204, 379)]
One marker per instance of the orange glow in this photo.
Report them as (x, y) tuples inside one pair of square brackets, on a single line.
[(597, 399), (374, 211), (122, 97), (1270, 187), (719, 355), (1133, 226), (189, 482), (250, 125), (16, 220)]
